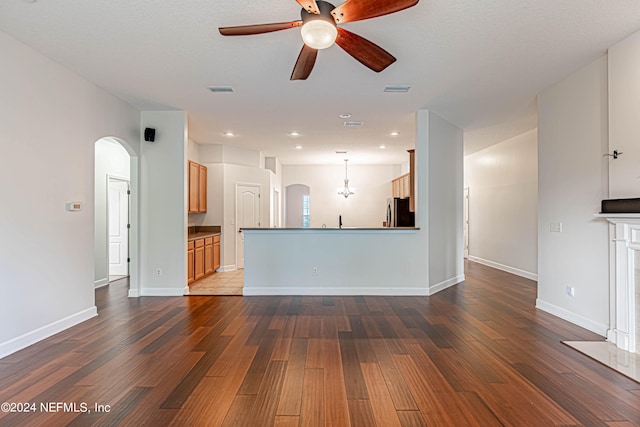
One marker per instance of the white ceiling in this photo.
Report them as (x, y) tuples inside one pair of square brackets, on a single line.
[(477, 63)]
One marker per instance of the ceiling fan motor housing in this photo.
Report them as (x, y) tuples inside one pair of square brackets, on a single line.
[(325, 9)]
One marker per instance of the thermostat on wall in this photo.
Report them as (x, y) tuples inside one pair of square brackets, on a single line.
[(73, 206)]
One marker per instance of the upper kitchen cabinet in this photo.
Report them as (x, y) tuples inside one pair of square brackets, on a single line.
[(404, 187), (197, 188)]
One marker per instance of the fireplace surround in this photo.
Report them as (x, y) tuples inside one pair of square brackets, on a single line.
[(624, 280)]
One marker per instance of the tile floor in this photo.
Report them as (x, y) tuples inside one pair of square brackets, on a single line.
[(222, 283), (609, 355)]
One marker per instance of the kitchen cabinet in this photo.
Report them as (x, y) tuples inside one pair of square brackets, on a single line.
[(199, 259), (404, 186), (197, 188), (216, 253), (191, 273), (208, 256), (203, 257), (400, 187)]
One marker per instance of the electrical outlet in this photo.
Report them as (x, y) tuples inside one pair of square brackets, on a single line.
[(158, 272), (314, 271), (571, 291), (555, 227)]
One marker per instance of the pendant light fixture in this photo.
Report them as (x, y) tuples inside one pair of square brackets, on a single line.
[(346, 192)]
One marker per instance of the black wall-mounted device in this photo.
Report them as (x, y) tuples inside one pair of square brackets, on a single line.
[(149, 134)]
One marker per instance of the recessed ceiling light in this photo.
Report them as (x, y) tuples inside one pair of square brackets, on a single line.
[(397, 88), (298, 147), (220, 89), (382, 147), (345, 115), (394, 133), (294, 133), (229, 134)]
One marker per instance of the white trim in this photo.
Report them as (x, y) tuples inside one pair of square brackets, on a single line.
[(161, 292), (512, 270), (329, 291), (224, 268), (445, 284), (23, 341), (572, 317), (134, 293), (100, 283)]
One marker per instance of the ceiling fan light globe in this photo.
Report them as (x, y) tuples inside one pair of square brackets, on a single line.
[(319, 34)]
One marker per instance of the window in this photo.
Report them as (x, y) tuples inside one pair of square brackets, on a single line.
[(306, 215)]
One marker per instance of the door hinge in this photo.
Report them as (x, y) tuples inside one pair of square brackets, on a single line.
[(128, 192), (128, 259), (128, 225)]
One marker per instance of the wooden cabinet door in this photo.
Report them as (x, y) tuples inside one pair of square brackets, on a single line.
[(208, 256), (202, 189), (199, 259), (216, 253), (395, 188), (191, 274), (194, 183)]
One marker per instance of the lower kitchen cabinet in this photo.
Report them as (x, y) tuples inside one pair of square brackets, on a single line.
[(199, 259), (203, 257), (191, 272)]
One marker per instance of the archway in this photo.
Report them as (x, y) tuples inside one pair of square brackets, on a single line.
[(116, 214)]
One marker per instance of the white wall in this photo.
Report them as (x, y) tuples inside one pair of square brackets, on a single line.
[(47, 141), (163, 204), (445, 193), (503, 205), (382, 262), (624, 114), (111, 159), (366, 208), (572, 180)]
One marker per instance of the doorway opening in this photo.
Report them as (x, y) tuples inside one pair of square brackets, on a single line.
[(115, 216)]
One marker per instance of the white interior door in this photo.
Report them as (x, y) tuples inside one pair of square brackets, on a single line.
[(466, 222), (247, 216), (118, 209), (276, 208)]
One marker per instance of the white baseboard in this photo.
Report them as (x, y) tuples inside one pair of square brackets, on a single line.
[(445, 284), (512, 270), (161, 292), (329, 291), (100, 283), (134, 293), (227, 268), (572, 317), (25, 340)]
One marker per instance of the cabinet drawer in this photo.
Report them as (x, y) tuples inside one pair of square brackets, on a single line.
[(208, 241), (216, 239), (199, 243), (190, 245)]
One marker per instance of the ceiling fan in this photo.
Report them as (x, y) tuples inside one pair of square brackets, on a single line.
[(320, 30)]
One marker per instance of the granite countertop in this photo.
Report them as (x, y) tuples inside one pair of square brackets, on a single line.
[(203, 231)]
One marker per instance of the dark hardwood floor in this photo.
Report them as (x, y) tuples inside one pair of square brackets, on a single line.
[(476, 354)]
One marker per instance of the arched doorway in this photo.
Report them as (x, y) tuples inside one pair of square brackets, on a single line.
[(116, 215)]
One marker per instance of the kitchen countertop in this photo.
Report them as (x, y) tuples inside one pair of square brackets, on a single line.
[(202, 235), (202, 231)]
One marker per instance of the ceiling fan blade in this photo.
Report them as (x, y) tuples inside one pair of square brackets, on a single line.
[(369, 54), (310, 6), (246, 30), (357, 10), (304, 64)]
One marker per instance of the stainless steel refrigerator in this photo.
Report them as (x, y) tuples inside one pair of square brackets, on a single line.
[(398, 214)]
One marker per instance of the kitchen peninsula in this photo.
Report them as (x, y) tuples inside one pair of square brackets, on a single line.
[(374, 261)]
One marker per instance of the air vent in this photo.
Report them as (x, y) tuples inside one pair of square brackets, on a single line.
[(341, 152), (220, 89), (352, 124), (397, 88)]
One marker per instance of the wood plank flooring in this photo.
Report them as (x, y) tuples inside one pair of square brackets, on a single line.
[(476, 354)]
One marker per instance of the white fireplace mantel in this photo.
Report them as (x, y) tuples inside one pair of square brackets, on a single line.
[(624, 233)]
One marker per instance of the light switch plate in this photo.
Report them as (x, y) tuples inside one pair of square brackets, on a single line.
[(556, 227)]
